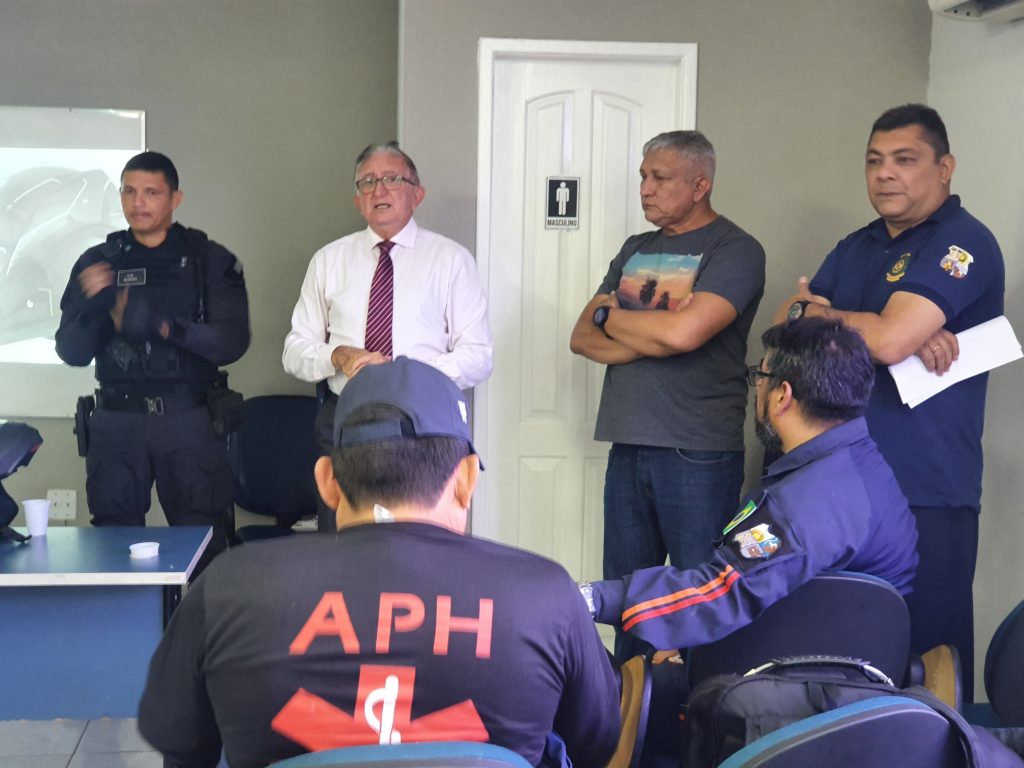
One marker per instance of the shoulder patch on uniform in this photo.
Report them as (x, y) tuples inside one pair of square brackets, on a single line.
[(234, 272), (957, 262), (749, 508), (898, 269), (757, 543)]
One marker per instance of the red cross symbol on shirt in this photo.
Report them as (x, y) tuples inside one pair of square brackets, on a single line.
[(382, 715)]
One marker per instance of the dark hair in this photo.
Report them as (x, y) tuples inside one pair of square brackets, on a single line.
[(396, 471), (154, 162), (826, 363), (932, 127), (391, 148)]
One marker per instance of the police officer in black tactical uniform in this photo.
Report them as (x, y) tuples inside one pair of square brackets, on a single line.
[(159, 307)]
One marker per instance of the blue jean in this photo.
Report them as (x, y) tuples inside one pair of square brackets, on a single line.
[(665, 501)]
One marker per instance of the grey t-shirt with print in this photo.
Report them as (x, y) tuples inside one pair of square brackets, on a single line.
[(694, 400)]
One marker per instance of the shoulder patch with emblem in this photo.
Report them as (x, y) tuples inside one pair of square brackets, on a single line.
[(234, 272), (957, 262), (898, 269), (748, 509), (758, 543)]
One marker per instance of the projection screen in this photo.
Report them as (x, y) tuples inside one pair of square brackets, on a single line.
[(59, 178)]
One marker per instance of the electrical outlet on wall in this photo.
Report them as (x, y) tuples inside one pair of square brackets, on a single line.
[(63, 503)]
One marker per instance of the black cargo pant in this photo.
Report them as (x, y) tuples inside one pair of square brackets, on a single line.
[(179, 451)]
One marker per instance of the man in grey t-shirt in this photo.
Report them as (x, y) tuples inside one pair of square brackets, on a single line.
[(670, 320)]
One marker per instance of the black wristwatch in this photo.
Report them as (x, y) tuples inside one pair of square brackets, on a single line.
[(796, 310), (601, 317)]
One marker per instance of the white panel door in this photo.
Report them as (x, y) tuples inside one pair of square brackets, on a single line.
[(555, 108)]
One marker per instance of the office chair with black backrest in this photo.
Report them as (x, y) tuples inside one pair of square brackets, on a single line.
[(273, 455), (835, 614), (1004, 676), (874, 733), (429, 754)]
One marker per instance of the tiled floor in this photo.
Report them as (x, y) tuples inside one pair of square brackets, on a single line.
[(101, 743)]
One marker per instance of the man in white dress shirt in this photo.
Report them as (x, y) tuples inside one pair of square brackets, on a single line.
[(392, 289)]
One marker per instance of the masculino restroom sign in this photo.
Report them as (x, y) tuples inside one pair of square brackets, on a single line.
[(563, 198)]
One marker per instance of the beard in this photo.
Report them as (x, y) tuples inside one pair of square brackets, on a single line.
[(766, 432)]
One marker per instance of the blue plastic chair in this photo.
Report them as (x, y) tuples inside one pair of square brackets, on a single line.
[(874, 733), (427, 754)]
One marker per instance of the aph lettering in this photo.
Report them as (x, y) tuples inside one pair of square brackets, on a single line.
[(398, 612)]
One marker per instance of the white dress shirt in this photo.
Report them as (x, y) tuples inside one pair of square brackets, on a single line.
[(440, 310)]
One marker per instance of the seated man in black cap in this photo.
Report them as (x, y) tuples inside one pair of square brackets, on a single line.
[(397, 629)]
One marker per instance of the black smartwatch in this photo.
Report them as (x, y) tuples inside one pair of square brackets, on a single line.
[(796, 310), (601, 317)]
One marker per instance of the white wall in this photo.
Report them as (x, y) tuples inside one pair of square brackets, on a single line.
[(977, 84)]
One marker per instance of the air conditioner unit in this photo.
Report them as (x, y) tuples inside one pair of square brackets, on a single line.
[(992, 11)]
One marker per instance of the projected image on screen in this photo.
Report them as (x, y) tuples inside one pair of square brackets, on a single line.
[(59, 179), (49, 215)]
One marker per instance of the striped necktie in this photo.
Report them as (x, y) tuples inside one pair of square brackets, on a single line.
[(381, 308)]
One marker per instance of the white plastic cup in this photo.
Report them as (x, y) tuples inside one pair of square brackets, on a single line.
[(37, 515)]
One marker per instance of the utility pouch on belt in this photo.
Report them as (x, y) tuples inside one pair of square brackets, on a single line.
[(83, 409), (226, 408)]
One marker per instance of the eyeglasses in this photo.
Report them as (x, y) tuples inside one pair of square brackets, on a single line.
[(366, 185), (755, 374)]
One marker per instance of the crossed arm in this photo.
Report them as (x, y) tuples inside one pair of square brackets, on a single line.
[(629, 335), (909, 324)]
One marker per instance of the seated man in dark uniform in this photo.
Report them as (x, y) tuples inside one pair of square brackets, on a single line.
[(398, 628), (829, 503)]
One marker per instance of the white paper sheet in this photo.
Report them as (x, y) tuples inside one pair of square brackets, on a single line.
[(982, 348)]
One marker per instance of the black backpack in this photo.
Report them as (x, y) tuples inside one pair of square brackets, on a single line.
[(727, 712)]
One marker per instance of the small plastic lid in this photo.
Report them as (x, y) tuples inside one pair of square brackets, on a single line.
[(144, 549)]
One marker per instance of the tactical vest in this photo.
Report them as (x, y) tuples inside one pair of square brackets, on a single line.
[(170, 279)]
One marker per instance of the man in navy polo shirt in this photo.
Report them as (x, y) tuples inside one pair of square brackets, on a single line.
[(908, 281)]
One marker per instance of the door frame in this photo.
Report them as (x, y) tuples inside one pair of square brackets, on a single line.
[(490, 50)]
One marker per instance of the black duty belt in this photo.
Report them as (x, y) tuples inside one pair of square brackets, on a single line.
[(158, 405)]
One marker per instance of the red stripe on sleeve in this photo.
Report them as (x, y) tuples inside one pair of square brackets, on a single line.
[(683, 599)]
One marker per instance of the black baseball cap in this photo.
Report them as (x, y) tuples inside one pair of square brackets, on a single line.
[(431, 401)]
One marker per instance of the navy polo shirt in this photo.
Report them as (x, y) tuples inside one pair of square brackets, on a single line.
[(953, 260)]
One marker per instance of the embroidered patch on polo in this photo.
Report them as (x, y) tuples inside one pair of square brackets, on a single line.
[(898, 269), (957, 262)]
